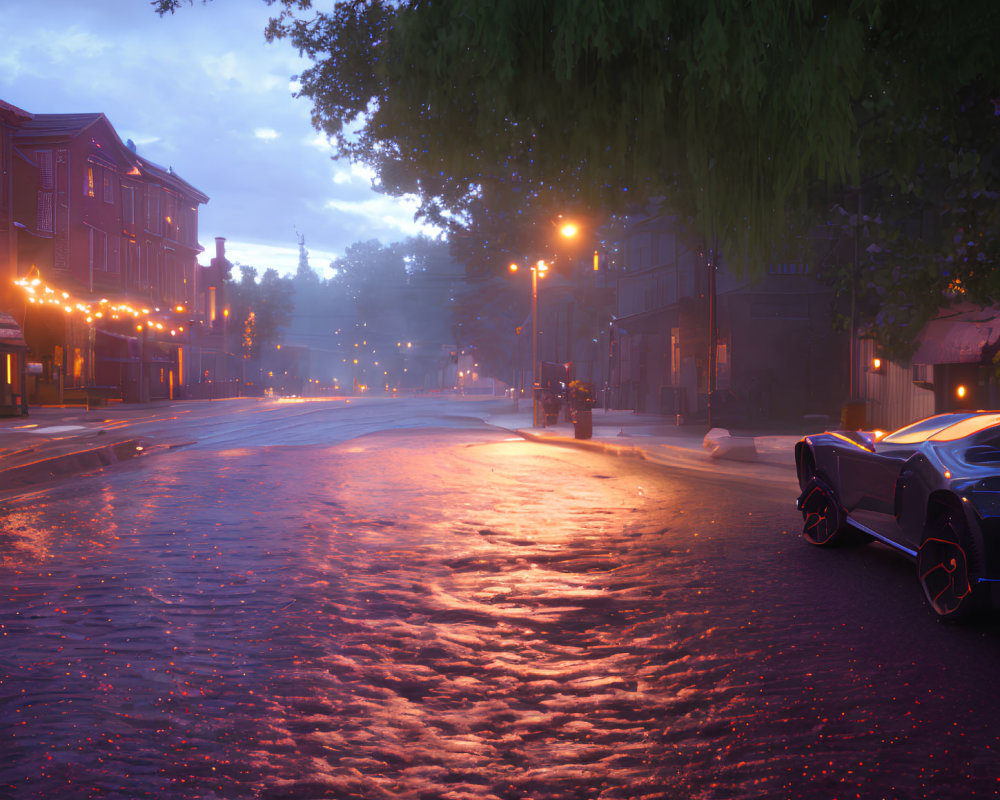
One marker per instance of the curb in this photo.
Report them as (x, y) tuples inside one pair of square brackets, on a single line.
[(76, 462), (672, 456), (583, 444)]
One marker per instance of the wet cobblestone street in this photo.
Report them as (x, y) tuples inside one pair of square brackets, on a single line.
[(453, 614)]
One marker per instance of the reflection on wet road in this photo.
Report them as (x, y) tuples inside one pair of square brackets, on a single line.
[(446, 614)]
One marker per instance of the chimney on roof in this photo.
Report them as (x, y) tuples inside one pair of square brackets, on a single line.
[(220, 247), (131, 146)]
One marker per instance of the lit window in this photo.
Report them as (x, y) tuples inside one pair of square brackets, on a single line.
[(90, 182)]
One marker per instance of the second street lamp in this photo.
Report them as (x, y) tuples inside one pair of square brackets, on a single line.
[(537, 269)]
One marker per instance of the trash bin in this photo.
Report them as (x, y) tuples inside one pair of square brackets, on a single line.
[(583, 423), (581, 404)]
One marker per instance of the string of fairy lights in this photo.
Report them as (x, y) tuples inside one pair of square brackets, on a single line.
[(39, 293)]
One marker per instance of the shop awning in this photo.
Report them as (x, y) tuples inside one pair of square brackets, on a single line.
[(11, 335), (959, 339)]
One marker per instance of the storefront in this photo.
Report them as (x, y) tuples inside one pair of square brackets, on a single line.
[(13, 369)]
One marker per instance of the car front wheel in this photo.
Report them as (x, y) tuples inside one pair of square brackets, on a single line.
[(946, 569), (822, 515)]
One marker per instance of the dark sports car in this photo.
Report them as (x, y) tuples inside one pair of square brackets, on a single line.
[(931, 490)]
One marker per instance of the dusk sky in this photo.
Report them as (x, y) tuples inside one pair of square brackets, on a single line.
[(202, 92)]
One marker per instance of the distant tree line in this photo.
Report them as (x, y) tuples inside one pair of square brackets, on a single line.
[(376, 296)]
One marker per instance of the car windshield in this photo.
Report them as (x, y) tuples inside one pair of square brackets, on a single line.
[(966, 427), (926, 428)]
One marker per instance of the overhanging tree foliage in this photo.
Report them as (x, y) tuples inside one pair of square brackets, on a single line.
[(921, 229), (727, 108)]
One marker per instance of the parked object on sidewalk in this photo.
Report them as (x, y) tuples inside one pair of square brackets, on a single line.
[(720, 444), (930, 490), (581, 409)]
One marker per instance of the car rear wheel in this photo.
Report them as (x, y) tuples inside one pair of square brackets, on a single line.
[(946, 567), (822, 514)]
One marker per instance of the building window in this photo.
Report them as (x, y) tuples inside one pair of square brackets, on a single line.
[(109, 194), (131, 263), (45, 169), (89, 186), (675, 356), (153, 210), (45, 211), (171, 217), (128, 207), (114, 256), (156, 265), (98, 250), (722, 365)]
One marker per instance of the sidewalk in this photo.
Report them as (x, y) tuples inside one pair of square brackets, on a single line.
[(764, 455), (59, 441)]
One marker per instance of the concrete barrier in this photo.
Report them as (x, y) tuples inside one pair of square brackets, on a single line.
[(721, 444)]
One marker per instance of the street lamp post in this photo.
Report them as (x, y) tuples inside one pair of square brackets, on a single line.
[(567, 230), (537, 269), (534, 344)]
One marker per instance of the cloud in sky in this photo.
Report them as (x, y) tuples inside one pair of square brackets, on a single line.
[(202, 92)]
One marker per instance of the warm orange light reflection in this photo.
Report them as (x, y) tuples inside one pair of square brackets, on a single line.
[(848, 441), (307, 399)]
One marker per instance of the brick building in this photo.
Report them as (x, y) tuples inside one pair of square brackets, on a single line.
[(13, 350), (100, 263)]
